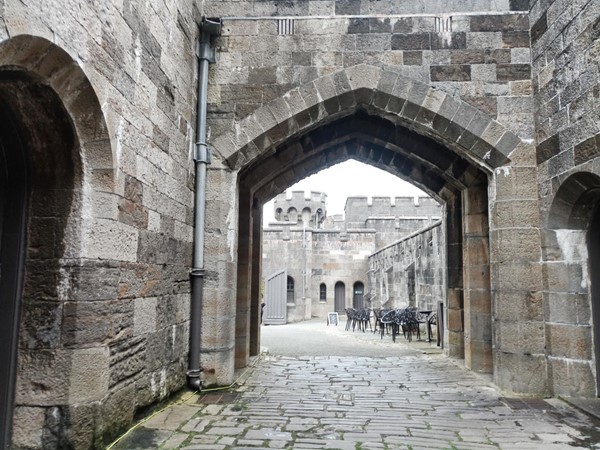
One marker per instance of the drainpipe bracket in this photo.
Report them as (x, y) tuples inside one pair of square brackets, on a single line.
[(194, 373), (197, 273), (202, 153), (208, 53)]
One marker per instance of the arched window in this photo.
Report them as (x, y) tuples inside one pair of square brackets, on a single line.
[(278, 213), (306, 212), (293, 215), (290, 290), (323, 292)]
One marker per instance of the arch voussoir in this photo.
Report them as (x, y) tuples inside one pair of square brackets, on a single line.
[(404, 101)]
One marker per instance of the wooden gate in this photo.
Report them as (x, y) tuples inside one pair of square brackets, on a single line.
[(275, 312)]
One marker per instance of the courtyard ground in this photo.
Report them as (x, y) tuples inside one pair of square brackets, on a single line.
[(318, 386)]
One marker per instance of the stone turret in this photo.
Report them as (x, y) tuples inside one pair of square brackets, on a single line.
[(308, 207)]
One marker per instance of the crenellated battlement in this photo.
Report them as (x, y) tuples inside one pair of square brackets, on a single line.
[(301, 206), (358, 209)]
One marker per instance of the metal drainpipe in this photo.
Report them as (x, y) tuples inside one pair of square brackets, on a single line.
[(207, 54)]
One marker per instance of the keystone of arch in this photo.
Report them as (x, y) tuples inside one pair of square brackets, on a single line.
[(402, 100)]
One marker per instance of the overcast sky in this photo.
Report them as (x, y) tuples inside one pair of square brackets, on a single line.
[(350, 179)]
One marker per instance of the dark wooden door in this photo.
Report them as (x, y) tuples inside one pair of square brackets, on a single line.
[(14, 188)]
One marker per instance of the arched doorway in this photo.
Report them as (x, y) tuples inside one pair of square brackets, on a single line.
[(370, 121), (339, 297), (14, 192), (358, 293), (52, 137), (572, 260)]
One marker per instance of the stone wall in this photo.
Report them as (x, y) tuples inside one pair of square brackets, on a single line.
[(565, 53), (104, 328), (410, 272), (441, 97), (484, 59), (490, 106), (360, 209), (326, 256)]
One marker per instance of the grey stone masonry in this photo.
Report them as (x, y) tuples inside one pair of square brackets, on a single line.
[(408, 401)]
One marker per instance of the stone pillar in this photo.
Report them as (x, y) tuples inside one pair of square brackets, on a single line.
[(220, 255), (454, 328), (255, 287), (476, 276), (244, 279), (516, 278)]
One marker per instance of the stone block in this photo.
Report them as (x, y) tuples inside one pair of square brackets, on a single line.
[(412, 58), (572, 378), (412, 41), (517, 306), (40, 324), (513, 39), (451, 72), (448, 41), (569, 341), (587, 149), (516, 245), (513, 72), (532, 338), (110, 240), (88, 374), (127, 359), (517, 276), (478, 356), (484, 41), (455, 320), (559, 276), (218, 368), (41, 377), (516, 183), (506, 336), (568, 308), (509, 368), (403, 25), (144, 316), (373, 42), (28, 427), (117, 411), (504, 22)]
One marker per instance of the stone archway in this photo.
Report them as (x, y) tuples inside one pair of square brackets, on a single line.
[(64, 140), (571, 253), (439, 143)]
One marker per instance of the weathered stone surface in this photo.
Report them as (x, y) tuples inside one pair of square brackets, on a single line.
[(452, 72), (109, 234), (29, 435)]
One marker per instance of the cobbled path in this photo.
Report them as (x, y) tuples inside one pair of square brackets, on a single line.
[(414, 401)]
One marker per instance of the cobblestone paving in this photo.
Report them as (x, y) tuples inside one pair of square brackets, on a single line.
[(416, 401)]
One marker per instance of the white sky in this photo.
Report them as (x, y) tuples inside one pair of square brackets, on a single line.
[(350, 179)]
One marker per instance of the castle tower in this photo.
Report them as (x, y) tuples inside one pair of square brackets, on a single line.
[(308, 207)]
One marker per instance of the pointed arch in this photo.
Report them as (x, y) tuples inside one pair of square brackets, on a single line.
[(438, 142), (403, 101)]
